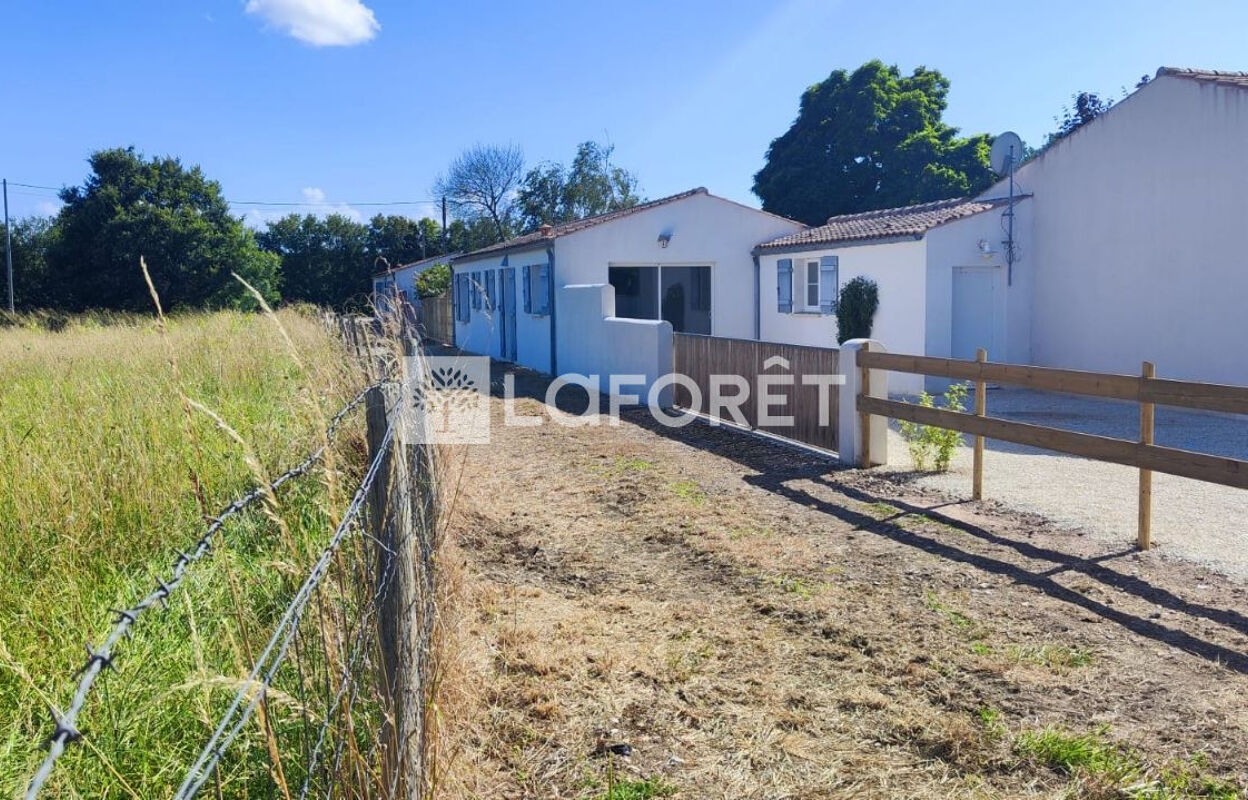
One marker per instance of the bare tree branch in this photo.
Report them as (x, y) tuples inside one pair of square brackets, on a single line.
[(482, 182)]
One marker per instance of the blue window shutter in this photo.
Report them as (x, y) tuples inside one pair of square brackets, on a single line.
[(476, 291), (784, 285), (489, 290), (828, 288), (524, 285), (543, 279)]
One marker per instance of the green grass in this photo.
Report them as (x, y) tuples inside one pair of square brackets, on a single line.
[(1057, 657), (957, 618), (689, 491), (1093, 758), (1090, 752), (104, 473)]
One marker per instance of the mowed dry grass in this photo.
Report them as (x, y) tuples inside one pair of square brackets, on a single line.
[(752, 624)]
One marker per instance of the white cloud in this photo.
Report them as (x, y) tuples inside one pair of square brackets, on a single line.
[(313, 194), (322, 23), (48, 208)]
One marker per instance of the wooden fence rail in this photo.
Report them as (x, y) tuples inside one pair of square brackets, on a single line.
[(1144, 389), (700, 357)]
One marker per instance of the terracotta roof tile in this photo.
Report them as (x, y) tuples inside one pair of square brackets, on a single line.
[(1238, 79), (884, 223)]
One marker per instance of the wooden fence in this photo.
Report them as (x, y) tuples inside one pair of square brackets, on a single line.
[(1144, 389), (699, 357), (437, 318)]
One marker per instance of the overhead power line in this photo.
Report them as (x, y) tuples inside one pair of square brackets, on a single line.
[(282, 203)]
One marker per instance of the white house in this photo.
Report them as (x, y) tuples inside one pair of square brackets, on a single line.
[(940, 270), (1136, 247), (1130, 244), (401, 280), (603, 295)]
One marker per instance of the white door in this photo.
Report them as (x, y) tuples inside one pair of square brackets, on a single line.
[(975, 311)]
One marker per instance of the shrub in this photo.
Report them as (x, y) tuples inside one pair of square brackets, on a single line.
[(433, 281), (855, 310), (930, 445)]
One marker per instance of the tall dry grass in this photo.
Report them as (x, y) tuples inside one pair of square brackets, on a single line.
[(104, 474)]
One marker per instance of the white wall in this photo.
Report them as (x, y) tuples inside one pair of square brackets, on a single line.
[(956, 244), (898, 268), (593, 341), (1139, 237), (481, 333), (704, 230)]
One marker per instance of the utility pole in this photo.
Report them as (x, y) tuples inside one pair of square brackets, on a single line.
[(445, 240), (8, 244)]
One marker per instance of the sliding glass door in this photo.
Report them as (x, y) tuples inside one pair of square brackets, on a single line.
[(679, 294)]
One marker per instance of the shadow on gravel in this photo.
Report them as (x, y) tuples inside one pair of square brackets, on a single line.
[(777, 464)]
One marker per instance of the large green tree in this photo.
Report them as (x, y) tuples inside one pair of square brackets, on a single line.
[(174, 217), (325, 261), (552, 193), (34, 286), (870, 139)]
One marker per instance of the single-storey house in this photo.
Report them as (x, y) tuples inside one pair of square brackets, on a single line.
[(1130, 243), (589, 296), (400, 281), (1125, 241), (939, 268)]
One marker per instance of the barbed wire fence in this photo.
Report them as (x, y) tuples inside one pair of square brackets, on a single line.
[(341, 690)]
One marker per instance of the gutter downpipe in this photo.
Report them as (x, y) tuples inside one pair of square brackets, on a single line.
[(554, 346), (758, 323)]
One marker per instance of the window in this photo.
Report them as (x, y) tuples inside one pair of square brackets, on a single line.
[(536, 285), (462, 312), (811, 282)]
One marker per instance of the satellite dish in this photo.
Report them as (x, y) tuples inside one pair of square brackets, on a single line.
[(1007, 153)]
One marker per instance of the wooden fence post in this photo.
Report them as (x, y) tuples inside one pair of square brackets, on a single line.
[(981, 408), (1144, 534), (397, 548)]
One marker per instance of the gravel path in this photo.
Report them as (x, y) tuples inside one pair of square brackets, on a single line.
[(1197, 521)]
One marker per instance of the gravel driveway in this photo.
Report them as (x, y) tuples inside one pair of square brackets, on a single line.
[(1198, 521)]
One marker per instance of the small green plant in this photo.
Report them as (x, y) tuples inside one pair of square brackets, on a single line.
[(1091, 752), (931, 446), (956, 617), (994, 726), (1056, 657), (855, 309), (690, 491), (882, 510), (633, 464), (794, 585)]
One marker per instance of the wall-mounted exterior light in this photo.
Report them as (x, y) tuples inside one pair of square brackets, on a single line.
[(664, 239)]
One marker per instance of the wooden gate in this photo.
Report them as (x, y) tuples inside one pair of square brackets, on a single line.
[(700, 357)]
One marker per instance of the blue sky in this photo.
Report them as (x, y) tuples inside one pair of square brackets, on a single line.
[(388, 91)]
